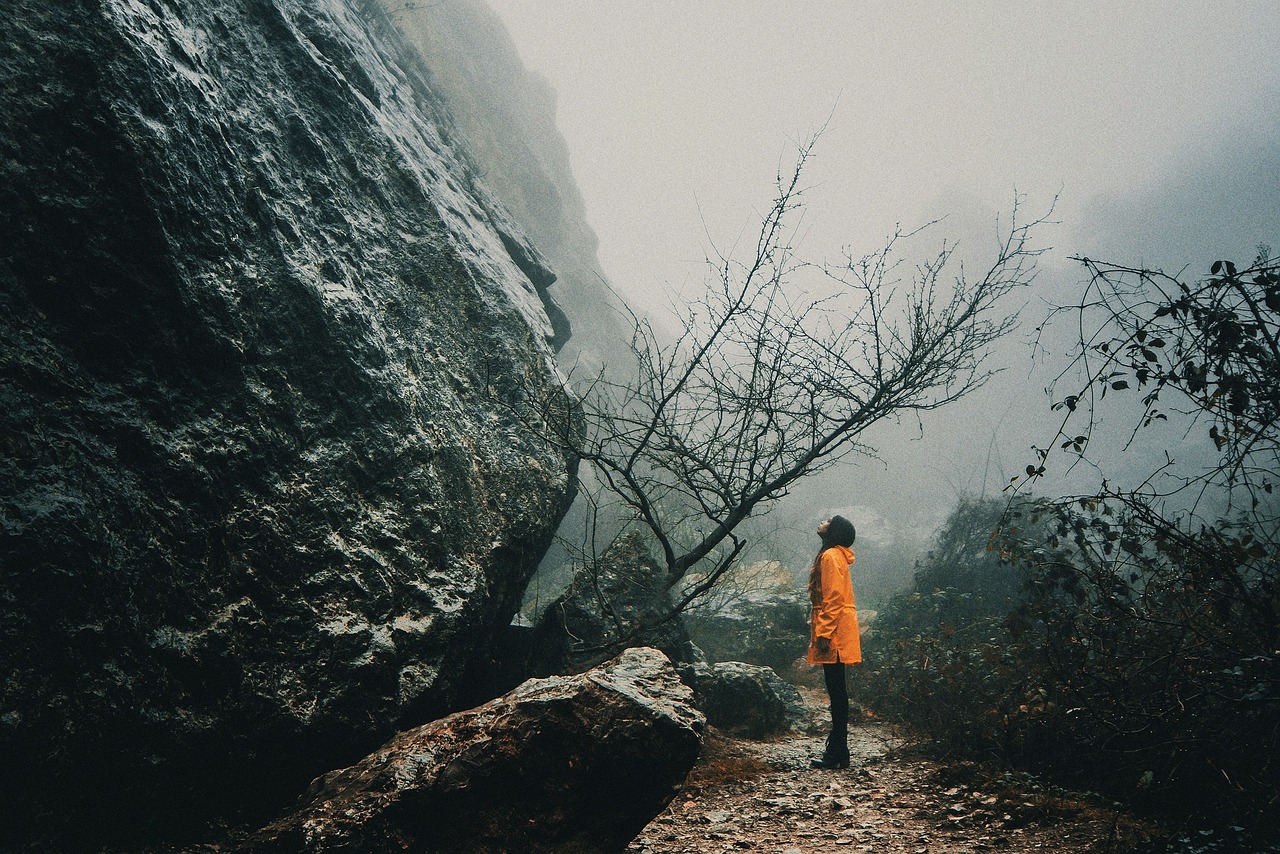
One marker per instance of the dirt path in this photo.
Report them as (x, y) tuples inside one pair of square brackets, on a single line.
[(762, 796)]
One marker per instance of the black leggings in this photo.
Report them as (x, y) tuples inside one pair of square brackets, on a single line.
[(838, 692)]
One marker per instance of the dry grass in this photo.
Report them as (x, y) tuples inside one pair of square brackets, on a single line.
[(723, 760)]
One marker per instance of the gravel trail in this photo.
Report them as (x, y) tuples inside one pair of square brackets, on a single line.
[(762, 796)]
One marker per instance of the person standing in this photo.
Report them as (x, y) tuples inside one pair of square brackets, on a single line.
[(833, 636)]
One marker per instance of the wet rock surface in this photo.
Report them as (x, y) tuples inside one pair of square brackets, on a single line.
[(620, 600), (744, 699), (571, 763), (506, 113), (762, 796), (270, 482), (768, 628)]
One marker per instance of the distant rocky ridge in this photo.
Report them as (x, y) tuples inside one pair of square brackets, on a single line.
[(271, 481), (506, 114)]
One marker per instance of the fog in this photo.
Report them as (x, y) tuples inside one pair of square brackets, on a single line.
[(1155, 127)]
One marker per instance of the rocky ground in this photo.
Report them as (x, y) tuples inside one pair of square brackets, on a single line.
[(762, 796)]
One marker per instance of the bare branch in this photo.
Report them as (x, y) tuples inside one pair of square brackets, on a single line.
[(779, 370)]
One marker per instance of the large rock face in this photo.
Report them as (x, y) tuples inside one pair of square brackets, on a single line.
[(569, 763), (270, 481)]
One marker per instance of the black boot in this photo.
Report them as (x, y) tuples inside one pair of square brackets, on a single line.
[(836, 754)]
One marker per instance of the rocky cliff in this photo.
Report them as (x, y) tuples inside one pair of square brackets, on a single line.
[(270, 477), (507, 115)]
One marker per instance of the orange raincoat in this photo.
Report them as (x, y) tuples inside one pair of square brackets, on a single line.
[(834, 612)]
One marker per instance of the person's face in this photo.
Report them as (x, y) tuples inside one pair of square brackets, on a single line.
[(823, 526)]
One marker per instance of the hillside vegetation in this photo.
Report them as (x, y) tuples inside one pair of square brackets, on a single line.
[(1126, 641)]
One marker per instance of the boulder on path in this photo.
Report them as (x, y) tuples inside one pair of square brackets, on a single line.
[(744, 699), (769, 628), (571, 763), (618, 601)]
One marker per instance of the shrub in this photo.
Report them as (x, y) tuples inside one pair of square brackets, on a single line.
[(1135, 658)]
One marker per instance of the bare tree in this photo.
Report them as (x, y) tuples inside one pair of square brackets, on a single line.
[(777, 373)]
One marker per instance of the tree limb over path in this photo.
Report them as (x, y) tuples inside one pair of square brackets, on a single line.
[(776, 374)]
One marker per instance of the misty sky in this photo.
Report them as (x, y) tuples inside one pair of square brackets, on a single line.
[(1156, 124)]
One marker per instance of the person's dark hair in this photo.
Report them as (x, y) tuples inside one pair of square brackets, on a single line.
[(840, 532)]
